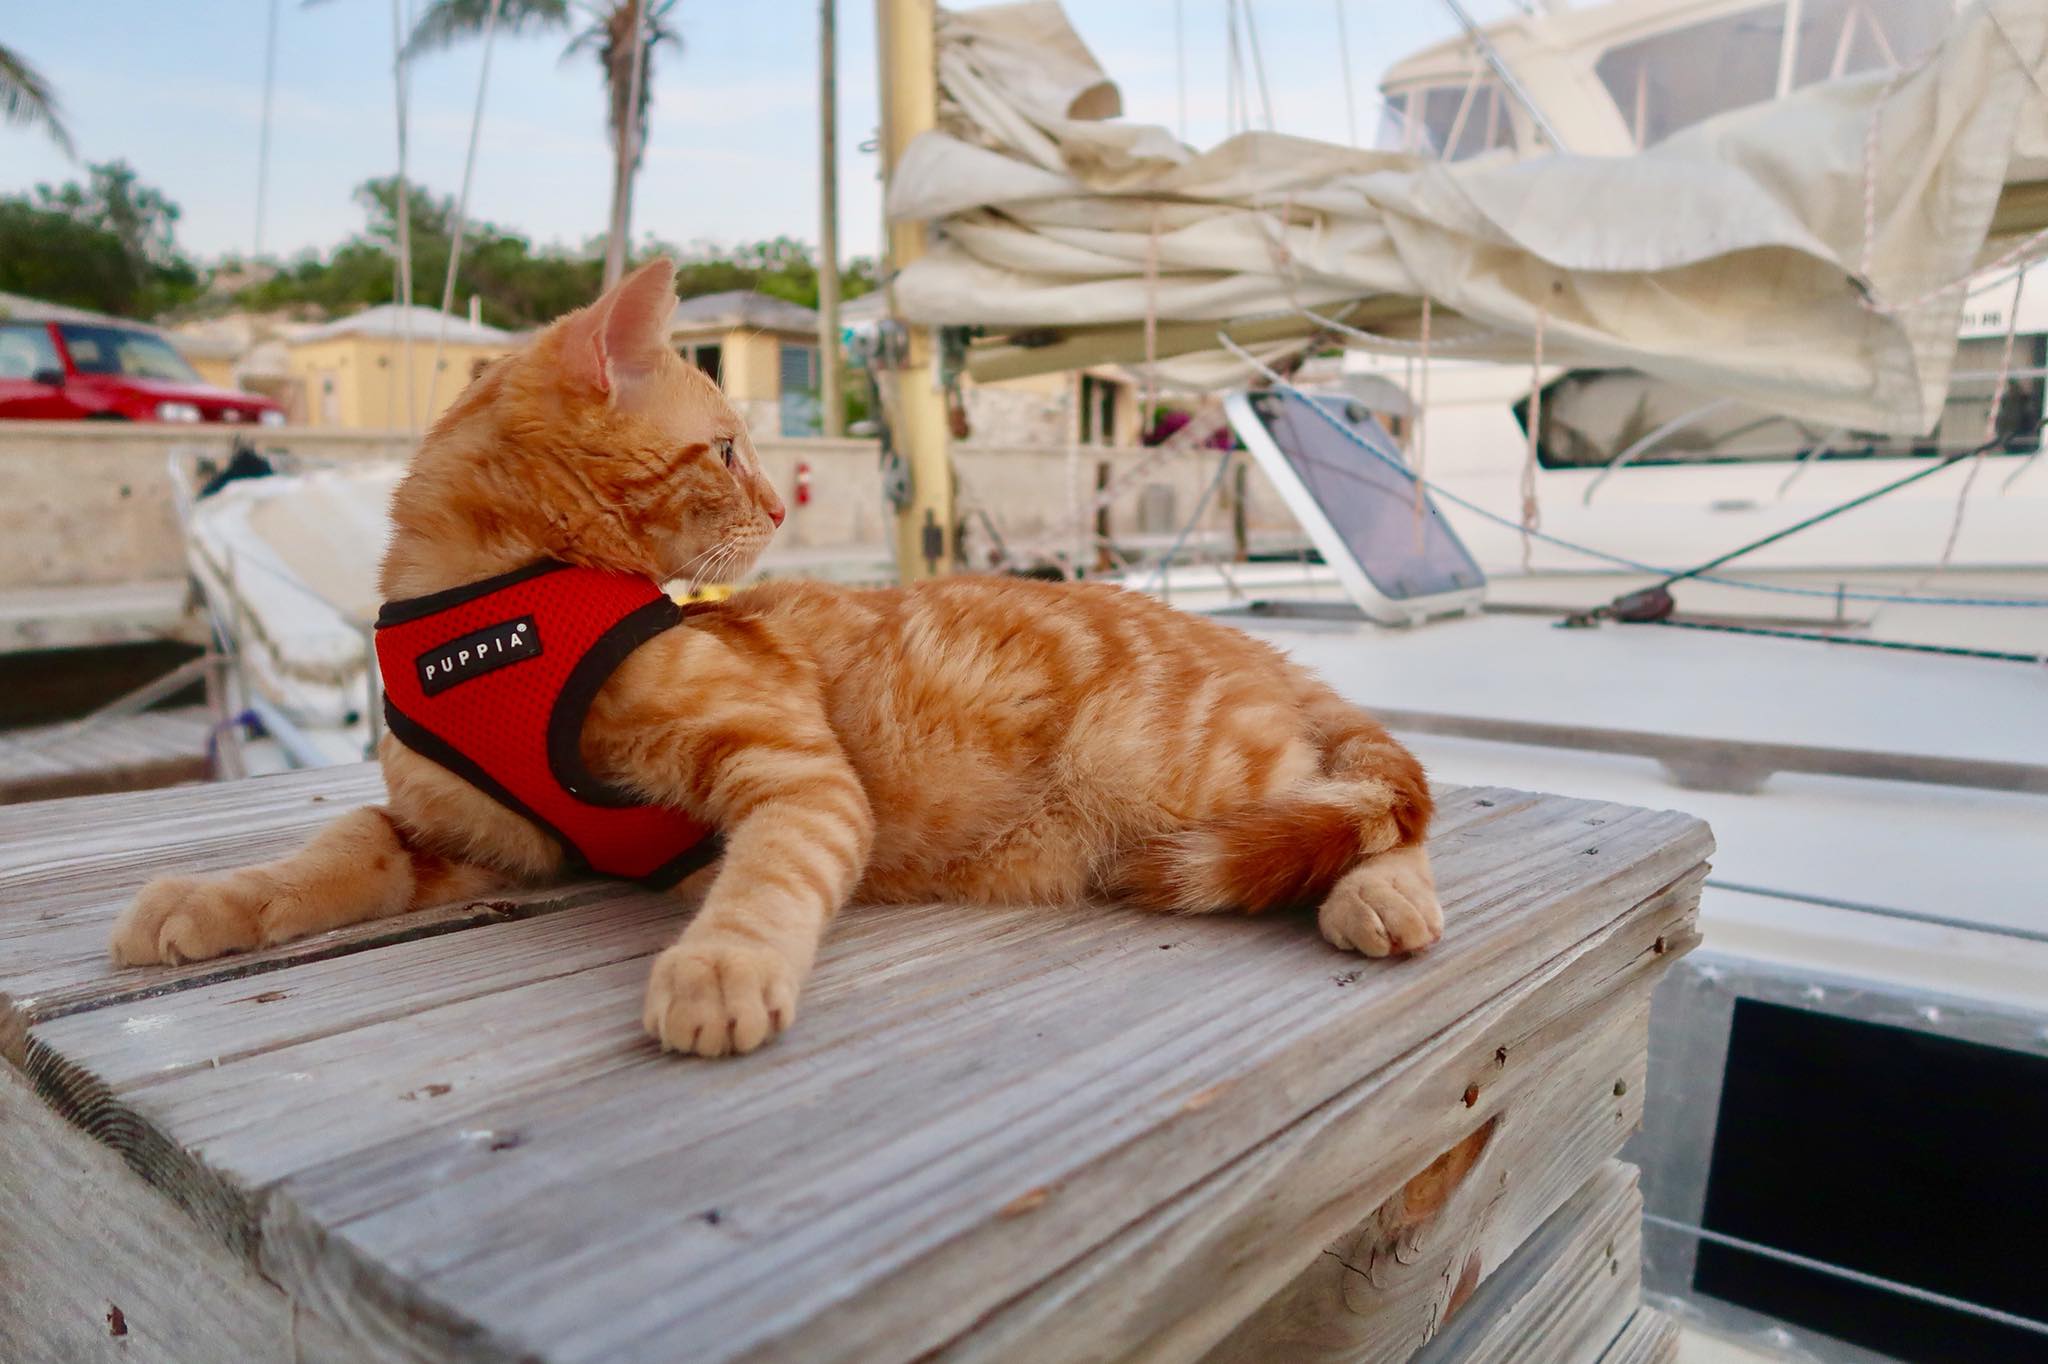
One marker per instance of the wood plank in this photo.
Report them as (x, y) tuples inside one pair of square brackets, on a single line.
[(967, 1089), (1567, 1294), (1649, 1338), (1251, 1228), (101, 1267), (68, 867), (1380, 1291), (112, 753)]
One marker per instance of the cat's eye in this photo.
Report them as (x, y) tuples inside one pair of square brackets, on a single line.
[(724, 449)]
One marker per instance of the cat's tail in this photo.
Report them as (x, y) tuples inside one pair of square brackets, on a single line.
[(1291, 847)]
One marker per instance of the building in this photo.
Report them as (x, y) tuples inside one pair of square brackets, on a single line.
[(762, 350), (353, 371)]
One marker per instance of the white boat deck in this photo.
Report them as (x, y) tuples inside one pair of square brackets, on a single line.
[(1965, 854)]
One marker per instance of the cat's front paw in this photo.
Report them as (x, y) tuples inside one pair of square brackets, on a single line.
[(720, 996), (1384, 905), (191, 918)]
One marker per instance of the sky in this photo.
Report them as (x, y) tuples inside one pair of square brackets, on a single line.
[(177, 91)]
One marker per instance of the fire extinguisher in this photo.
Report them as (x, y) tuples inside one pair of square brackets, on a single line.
[(803, 483)]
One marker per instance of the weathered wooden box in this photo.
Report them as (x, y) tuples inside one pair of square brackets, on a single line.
[(1083, 1134)]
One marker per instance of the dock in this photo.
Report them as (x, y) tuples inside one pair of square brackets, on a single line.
[(1020, 1134), (116, 753)]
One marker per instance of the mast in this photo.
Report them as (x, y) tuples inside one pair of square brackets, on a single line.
[(910, 98), (831, 409)]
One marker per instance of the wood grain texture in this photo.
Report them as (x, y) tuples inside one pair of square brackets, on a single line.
[(1272, 1216), (97, 1266), (1567, 1294), (1383, 1289), (68, 867), (463, 1147), (1649, 1338)]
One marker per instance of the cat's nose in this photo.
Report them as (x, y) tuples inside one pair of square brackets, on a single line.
[(776, 511)]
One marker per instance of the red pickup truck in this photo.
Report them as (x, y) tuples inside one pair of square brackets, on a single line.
[(69, 371)]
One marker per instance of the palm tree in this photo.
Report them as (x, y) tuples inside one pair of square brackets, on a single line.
[(602, 27), (26, 98)]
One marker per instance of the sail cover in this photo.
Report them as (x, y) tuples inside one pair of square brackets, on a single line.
[(1807, 255)]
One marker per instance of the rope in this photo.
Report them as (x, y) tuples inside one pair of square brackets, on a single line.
[(1855, 1276), (1532, 510), (1188, 528), (1990, 438), (1422, 431), (1151, 318), (1283, 385), (1820, 637)]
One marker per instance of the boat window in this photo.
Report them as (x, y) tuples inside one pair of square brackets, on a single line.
[(1673, 79), (1393, 133), (1450, 121), (1841, 37), (1591, 417), (116, 350), (26, 350)]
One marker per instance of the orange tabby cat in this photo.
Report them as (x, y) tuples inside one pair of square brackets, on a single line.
[(977, 738)]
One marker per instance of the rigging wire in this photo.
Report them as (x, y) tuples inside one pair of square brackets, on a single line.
[(1251, 33), (263, 139), (476, 125), (1350, 89), (1282, 384), (1180, 63), (1881, 911), (1855, 1276), (404, 203)]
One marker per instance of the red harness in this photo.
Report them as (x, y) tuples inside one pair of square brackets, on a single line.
[(492, 681)]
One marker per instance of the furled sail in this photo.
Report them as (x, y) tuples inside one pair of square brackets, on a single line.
[(1809, 255)]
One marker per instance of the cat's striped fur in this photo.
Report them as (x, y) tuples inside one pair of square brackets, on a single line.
[(977, 739)]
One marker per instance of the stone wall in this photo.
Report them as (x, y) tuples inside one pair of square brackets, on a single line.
[(90, 502)]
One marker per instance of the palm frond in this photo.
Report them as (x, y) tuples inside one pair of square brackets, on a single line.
[(26, 98), (444, 23)]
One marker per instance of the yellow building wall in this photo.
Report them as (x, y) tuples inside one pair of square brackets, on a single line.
[(218, 370), (359, 382)]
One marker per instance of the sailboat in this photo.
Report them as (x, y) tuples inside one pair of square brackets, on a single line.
[(1710, 327)]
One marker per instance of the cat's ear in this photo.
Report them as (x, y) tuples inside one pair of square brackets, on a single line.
[(619, 338)]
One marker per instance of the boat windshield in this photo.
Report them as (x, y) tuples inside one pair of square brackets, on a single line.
[(1592, 417), (1448, 121), (1674, 79), (116, 350)]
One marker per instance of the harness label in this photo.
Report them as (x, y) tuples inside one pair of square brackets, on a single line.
[(489, 649)]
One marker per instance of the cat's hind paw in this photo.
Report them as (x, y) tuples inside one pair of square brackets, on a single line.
[(1384, 905), (719, 997)]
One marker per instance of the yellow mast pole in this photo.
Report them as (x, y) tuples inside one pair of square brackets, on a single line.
[(910, 99)]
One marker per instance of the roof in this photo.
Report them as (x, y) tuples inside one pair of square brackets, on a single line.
[(389, 319), (743, 308), (27, 309)]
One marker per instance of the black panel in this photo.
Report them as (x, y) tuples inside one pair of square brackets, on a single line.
[(1917, 1158)]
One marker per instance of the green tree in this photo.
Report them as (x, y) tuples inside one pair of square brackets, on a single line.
[(115, 198), (27, 100), (609, 36), (519, 286), (108, 244)]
